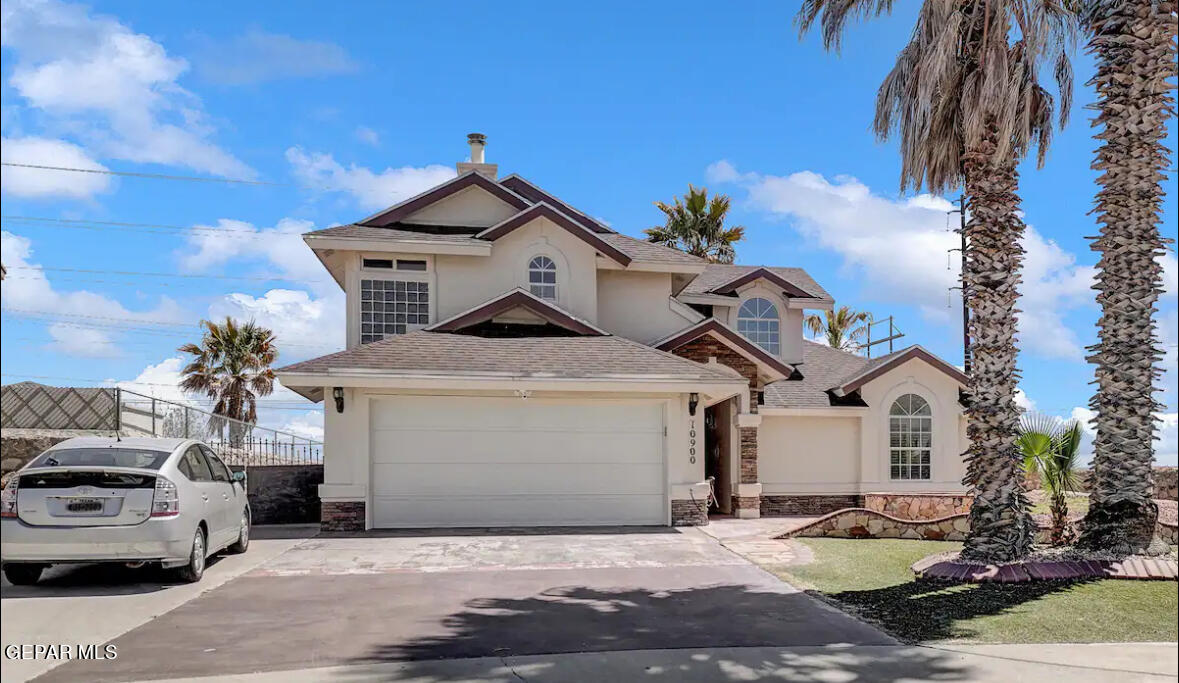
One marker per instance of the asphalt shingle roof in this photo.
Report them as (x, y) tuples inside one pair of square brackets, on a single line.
[(642, 250), (822, 368), (533, 357), (717, 274), (366, 232)]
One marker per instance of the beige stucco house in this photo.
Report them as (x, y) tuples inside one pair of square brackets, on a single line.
[(512, 361)]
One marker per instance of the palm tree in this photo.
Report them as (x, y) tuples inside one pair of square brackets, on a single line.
[(696, 224), (1134, 41), (1051, 448), (965, 101), (232, 366), (842, 328)]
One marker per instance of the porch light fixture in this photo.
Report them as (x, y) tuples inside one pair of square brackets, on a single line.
[(693, 401), (338, 394)]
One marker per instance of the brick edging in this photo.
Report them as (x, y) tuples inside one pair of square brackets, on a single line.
[(947, 567)]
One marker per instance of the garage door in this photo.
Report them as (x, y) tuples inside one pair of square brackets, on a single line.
[(461, 461)]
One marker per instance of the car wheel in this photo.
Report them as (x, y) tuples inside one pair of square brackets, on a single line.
[(195, 569), (243, 535), (23, 574)]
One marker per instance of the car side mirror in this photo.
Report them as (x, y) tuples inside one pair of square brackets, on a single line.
[(239, 476)]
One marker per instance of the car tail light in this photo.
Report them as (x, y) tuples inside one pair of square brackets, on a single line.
[(8, 497), (165, 501)]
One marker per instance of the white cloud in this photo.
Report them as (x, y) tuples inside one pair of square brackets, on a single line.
[(85, 342), (281, 245), (307, 326), (309, 424), (113, 88), (370, 190), (368, 136), (1166, 442), (1024, 401), (899, 250), (28, 289), (257, 56), (43, 184)]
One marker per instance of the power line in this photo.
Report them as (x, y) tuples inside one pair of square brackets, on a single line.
[(151, 274), (154, 176)]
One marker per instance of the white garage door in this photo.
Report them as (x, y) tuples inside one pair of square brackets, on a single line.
[(464, 461)]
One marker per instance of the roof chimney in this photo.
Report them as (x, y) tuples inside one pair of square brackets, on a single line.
[(477, 141)]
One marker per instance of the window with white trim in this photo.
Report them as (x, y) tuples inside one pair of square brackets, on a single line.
[(757, 321), (389, 307), (542, 278), (910, 438)]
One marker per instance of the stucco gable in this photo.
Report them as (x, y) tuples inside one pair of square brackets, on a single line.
[(515, 300), (545, 211), (877, 367), (403, 210)]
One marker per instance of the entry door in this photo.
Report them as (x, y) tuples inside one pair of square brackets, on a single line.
[(440, 461)]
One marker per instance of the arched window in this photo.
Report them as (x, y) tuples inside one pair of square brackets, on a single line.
[(910, 438), (757, 321), (542, 278)]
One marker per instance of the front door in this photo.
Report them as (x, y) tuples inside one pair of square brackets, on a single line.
[(717, 427)]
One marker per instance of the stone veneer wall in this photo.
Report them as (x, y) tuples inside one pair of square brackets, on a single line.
[(781, 505), (341, 516), (919, 505), (283, 494), (689, 513), (703, 348), (865, 523)]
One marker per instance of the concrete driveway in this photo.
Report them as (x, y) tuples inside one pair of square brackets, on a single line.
[(386, 598), (95, 604)]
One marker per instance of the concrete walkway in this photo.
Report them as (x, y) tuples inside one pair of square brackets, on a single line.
[(1097, 663)]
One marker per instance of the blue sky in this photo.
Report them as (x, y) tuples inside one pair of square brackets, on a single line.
[(612, 106)]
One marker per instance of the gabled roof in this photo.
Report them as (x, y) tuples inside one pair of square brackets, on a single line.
[(769, 364), (649, 252), (414, 204), (516, 298), (442, 354), (544, 210), (365, 232), (830, 374), (534, 194), (719, 278), (878, 366)]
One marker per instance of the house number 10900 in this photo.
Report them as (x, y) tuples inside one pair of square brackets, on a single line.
[(692, 441)]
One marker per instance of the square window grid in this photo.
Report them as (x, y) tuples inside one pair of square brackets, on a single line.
[(390, 307)]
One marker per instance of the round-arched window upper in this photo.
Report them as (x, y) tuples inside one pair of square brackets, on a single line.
[(910, 438), (757, 321), (542, 278)]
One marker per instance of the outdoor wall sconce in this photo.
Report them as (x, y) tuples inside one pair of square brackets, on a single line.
[(693, 401), (338, 394)]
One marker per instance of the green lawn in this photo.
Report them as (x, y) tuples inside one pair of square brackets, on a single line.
[(1077, 506), (871, 578)]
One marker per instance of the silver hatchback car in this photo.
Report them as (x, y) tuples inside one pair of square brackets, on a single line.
[(134, 500)]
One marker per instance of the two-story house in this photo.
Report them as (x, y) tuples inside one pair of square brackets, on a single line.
[(512, 361)]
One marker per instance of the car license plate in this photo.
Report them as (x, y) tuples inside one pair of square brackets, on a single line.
[(85, 505)]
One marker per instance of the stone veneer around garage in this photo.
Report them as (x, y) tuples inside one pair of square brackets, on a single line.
[(341, 515), (689, 513)]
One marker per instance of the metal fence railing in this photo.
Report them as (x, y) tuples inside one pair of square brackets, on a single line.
[(28, 405), (237, 442)]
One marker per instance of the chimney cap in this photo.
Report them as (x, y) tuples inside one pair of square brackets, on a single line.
[(476, 138)]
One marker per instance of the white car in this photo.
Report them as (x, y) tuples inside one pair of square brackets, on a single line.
[(134, 500)]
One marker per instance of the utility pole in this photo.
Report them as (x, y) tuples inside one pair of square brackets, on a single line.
[(961, 211)]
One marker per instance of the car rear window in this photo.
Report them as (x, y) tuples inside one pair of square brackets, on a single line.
[(101, 457)]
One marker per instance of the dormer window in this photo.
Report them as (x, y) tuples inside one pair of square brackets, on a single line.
[(542, 278), (757, 321)]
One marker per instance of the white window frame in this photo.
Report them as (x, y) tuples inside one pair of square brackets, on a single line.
[(910, 439), (768, 339), (541, 270), (393, 275)]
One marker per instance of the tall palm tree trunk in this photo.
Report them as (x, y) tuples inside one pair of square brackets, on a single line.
[(1000, 524), (1134, 44)]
